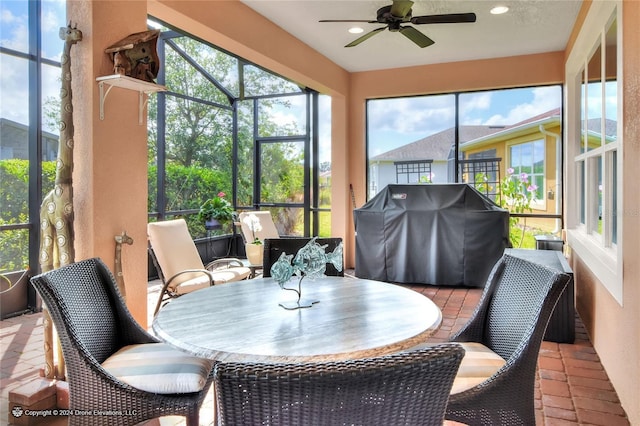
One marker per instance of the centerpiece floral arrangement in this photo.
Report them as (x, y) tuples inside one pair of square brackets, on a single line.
[(217, 208)]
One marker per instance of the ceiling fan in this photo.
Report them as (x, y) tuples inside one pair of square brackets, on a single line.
[(398, 13)]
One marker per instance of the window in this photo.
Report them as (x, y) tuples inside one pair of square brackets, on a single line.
[(528, 159), (413, 171), (593, 146)]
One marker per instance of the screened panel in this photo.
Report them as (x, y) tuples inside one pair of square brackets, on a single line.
[(51, 82), (221, 66), (53, 17), (25, 118), (282, 172), (258, 82), (419, 128), (288, 220), (245, 179), (185, 78), (14, 22), (282, 116), (14, 95)]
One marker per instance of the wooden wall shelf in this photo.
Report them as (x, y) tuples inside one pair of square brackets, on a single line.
[(129, 83)]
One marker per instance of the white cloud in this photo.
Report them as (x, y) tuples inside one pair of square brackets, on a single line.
[(417, 116), (14, 89), (544, 99), (475, 102), (6, 17)]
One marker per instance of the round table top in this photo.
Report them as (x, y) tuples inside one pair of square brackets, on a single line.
[(243, 321)]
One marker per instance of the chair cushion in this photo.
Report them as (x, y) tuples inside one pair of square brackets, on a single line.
[(479, 363), (158, 368), (201, 281), (235, 273)]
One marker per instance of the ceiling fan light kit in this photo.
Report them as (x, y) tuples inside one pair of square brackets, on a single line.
[(398, 13)]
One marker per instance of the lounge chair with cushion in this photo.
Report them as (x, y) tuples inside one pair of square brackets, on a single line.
[(179, 264)]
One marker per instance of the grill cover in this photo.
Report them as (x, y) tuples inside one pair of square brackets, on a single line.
[(447, 235)]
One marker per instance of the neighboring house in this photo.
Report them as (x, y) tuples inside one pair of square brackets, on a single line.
[(532, 146), (425, 160), (14, 143)]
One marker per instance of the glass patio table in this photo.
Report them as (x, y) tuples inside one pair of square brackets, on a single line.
[(242, 321)]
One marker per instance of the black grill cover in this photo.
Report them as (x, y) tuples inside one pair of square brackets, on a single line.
[(430, 234)]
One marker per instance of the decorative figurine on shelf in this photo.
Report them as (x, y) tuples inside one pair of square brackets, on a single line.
[(310, 261), (136, 55)]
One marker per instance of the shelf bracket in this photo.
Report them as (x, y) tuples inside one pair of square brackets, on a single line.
[(103, 97), (142, 87)]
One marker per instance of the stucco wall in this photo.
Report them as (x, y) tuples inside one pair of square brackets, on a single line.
[(110, 174)]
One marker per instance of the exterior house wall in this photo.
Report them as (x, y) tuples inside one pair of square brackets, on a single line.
[(543, 206)]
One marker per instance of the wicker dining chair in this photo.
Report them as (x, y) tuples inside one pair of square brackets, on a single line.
[(118, 374), (408, 388), (509, 322), (274, 247)]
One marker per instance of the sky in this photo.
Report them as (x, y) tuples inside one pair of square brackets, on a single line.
[(396, 122), (13, 71)]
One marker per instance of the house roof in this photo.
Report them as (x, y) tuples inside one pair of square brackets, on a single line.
[(610, 127), (436, 146)]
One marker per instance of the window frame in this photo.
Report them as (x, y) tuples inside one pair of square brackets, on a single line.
[(600, 251)]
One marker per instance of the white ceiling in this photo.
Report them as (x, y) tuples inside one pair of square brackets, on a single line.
[(530, 26)]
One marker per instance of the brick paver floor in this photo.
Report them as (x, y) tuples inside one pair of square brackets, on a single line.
[(572, 388)]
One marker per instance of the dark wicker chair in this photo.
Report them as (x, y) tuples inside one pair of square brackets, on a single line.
[(93, 323), (409, 388), (510, 319), (274, 247)]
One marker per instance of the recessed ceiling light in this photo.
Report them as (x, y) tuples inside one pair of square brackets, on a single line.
[(499, 10), (355, 30)]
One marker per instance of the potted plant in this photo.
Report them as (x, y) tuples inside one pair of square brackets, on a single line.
[(253, 248), (215, 211)]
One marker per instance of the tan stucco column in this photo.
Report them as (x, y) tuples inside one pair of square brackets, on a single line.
[(110, 155)]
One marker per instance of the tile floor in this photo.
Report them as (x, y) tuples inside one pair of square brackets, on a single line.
[(572, 387)]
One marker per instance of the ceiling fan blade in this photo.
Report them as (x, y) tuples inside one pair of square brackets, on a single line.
[(349, 20), (365, 37), (400, 8), (416, 36), (449, 18)]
